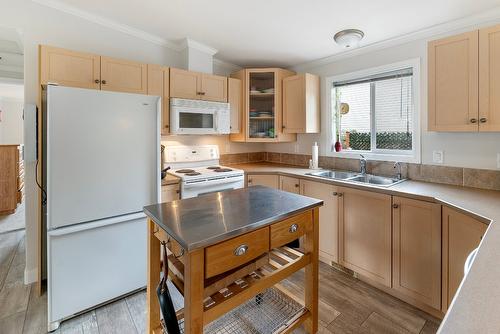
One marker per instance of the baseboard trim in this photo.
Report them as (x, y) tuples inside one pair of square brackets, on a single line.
[(30, 276)]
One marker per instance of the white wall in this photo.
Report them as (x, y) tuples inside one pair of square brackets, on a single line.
[(476, 150), (43, 25), (11, 125)]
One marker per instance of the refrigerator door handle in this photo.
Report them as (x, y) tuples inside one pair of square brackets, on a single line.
[(95, 224)]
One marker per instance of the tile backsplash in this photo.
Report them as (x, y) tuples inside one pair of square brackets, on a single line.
[(468, 177)]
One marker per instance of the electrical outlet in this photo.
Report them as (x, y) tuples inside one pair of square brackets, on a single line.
[(296, 148), (437, 157), (498, 160), (228, 147)]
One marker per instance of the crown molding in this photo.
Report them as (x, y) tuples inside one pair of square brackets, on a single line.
[(482, 19), (108, 23), (188, 43)]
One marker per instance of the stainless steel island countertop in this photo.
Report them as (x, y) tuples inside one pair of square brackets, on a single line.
[(206, 220)]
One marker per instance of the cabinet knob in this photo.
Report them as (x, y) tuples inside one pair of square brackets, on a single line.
[(335, 193), (483, 120), (202, 93), (177, 191), (97, 80), (473, 120), (167, 126), (293, 228), (340, 195), (103, 82), (296, 185), (395, 206), (240, 250), (283, 126)]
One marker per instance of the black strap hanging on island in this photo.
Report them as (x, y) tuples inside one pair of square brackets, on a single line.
[(165, 300)]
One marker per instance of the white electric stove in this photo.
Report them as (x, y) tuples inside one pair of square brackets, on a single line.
[(199, 170)]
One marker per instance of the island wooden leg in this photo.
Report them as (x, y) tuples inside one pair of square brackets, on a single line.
[(193, 292), (153, 319), (311, 276)]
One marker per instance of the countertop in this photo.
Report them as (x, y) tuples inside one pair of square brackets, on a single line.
[(475, 306), (206, 220)]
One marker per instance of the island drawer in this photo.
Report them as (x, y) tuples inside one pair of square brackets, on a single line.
[(234, 252), (290, 229)]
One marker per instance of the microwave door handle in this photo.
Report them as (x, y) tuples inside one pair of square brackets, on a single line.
[(216, 121)]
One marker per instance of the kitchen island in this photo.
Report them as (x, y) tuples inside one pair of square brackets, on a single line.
[(228, 253)]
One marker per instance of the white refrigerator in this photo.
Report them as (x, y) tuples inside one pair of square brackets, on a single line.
[(101, 166)]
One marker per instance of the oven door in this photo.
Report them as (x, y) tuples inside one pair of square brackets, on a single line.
[(194, 189), (193, 121)]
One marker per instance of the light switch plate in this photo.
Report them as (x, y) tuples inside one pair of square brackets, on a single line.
[(437, 157), (228, 147), (296, 148)]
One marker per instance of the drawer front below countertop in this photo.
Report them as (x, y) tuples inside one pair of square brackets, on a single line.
[(290, 229), (221, 257)]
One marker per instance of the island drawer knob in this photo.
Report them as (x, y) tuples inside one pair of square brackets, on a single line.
[(240, 250), (293, 228), (395, 206)]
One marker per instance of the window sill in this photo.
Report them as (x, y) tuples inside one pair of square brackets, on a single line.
[(348, 154)]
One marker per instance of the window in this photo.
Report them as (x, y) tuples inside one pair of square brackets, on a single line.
[(374, 112)]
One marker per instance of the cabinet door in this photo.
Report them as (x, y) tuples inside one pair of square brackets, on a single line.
[(365, 234), (170, 193), (157, 79), (69, 68), (213, 88), (263, 180), (290, 184), (461, 235), (416, 254), (328, 217), (489, 79), (453, 83), (294, 104), (234, 91), (123, 76), (184, 84)]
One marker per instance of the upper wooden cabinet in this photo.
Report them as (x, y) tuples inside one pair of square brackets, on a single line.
[(328, 217), (453, 83), (416, 257), (464, 75), (267, 180), (84, 70), (234, 91), (461, 235), (365, 223), (158, 84), (123, 76), (262, 114), (198, 86), (69, 68), (489, 79), (290, 184), (301, 104)]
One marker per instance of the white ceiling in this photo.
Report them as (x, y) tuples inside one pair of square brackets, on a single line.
[(279, 32)]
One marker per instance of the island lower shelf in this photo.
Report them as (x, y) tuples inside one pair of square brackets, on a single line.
[(216, 302)]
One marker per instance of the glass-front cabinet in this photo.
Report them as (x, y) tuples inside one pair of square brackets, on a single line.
[(262, 117)]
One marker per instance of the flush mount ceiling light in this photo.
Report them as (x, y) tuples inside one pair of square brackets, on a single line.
[(348, 38)]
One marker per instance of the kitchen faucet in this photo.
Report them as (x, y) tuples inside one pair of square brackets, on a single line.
[(362, 164), (397, 167)]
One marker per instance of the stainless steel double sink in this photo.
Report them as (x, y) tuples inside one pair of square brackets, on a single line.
[(357, 177)]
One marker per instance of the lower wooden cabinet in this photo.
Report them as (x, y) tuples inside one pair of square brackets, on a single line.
[(290, 184), (266, 180), (328, 217), (11, 178), (416, 241), (365, 233), (170, 193), (461, 235)]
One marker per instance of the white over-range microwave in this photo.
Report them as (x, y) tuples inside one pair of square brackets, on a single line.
[(195, 117)]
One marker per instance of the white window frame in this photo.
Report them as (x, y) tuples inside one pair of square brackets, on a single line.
[(414, 155)]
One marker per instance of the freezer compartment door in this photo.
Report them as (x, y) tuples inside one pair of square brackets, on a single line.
[(89, 264)]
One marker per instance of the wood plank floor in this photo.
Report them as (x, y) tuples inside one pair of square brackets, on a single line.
[(347, 305)]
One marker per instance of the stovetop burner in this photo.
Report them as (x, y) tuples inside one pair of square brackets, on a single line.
[(222, 170), (185, 171), (193, 173), (214, 167)]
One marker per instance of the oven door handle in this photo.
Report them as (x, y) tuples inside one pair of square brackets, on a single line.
[(234, 179)]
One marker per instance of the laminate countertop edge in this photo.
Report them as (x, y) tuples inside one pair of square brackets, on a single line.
[(475, 306)]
